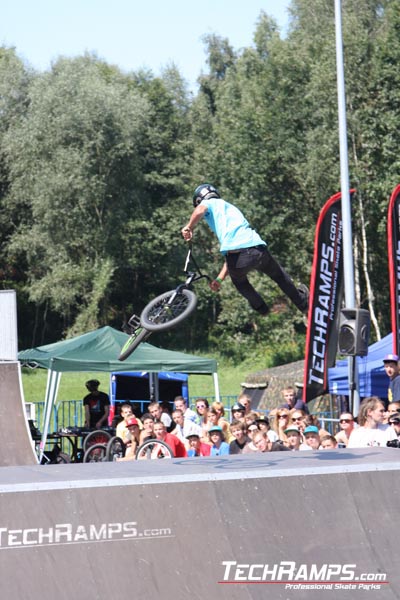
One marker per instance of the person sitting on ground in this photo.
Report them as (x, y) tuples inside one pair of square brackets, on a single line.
[(157, 413), (96, 405), (291, 400), (294, 439), (264, 444), (181, 404), (237, 412), (346, 424), (371, 430), (240, 437), (147, 433), (133, 441), (177, 447), (311, 437), (262, 423), (197, 447), (328, 442), (219, 446), (183, 426)]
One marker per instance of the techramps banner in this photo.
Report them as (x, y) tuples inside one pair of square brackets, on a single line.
[(326, 292)]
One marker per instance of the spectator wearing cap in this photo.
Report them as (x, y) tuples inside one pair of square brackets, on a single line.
[(218, 445), (196, 447), (346, 424), (392, 370), (394, 422), (294, 439), (262, 423), (311, 437), (132, 441), (237, 412)]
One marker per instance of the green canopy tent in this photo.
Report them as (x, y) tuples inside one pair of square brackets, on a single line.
[(98, 351)]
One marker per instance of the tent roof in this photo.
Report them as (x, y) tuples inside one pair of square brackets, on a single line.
[(98, 351)]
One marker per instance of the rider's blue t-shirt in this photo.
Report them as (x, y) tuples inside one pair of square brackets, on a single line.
[(230, 226)]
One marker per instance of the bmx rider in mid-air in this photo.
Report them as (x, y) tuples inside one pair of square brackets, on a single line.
[(243, 248)]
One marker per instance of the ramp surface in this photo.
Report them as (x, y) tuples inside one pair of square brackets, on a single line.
[(240, 528), (15, 439)]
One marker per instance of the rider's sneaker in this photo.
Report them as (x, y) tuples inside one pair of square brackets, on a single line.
[(305, 293)]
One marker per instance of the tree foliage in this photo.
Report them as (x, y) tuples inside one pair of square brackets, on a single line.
[(97, 168)]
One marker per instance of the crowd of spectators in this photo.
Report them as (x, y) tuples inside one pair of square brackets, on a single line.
[(210, 431)]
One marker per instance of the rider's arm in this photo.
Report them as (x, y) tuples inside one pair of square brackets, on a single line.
[(216, 283), (196, 216)]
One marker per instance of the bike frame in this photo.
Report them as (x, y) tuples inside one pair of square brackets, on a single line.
[(192, 276)]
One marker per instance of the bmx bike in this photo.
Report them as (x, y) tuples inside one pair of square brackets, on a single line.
[(165, 311)]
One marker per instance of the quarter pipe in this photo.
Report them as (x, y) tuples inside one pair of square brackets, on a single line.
[(276, 525)]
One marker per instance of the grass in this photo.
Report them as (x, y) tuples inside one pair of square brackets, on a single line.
[(72, 385)]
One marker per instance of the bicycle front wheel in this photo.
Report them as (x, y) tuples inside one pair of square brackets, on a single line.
[(163, 313)]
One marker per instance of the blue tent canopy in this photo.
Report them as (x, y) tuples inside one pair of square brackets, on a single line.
[(373, 380)]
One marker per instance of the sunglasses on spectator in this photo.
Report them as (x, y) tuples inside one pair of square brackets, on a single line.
[(346, 421), (297, 418), (283, 416), (252, 429), (200, 405)]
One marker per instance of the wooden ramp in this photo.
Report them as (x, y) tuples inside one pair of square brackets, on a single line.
[(16, 446)]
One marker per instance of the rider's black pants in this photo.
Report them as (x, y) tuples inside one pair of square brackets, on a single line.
[(258, 258)]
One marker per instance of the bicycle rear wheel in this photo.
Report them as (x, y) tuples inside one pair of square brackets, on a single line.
[(132, 343), (160, 314), (95, 453)]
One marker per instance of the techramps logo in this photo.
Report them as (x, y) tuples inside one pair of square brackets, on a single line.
[(294, 576), (62, 534)]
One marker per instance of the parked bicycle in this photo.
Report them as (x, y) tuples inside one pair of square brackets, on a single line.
[(165, 311)]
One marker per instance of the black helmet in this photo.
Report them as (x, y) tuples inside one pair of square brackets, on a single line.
[(203, 191)]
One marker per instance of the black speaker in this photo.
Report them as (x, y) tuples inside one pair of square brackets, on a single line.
[(354, 327)]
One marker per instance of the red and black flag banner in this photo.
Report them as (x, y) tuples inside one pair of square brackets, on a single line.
[(326, 292), (394, 264)]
